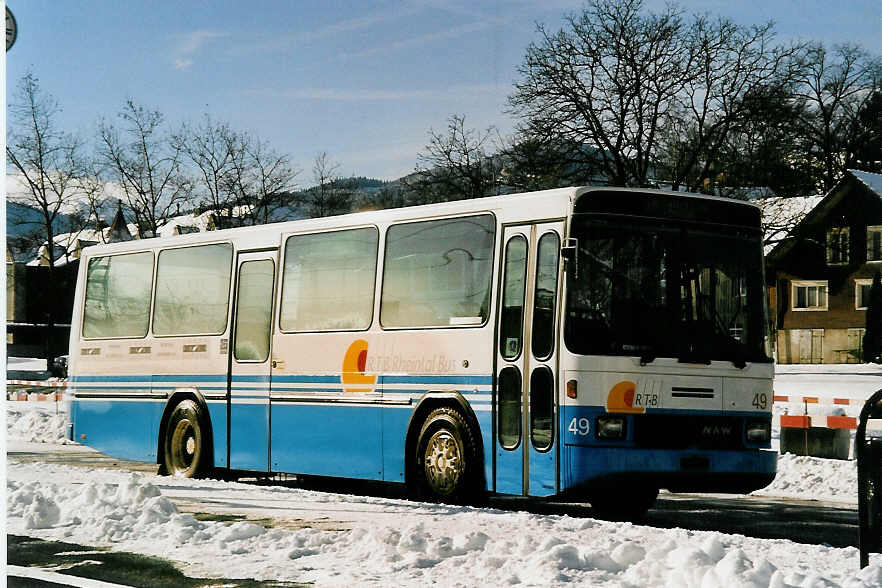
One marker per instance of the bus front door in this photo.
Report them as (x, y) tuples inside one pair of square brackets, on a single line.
[(525, 399), (250, 364)]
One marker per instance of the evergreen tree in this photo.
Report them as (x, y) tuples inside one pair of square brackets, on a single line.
[(873, 334)]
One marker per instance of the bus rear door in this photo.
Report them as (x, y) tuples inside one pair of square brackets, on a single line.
[(526, 361), (250, 365)]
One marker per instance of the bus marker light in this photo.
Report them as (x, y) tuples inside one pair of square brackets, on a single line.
[(572, 389), (610, 427), (759, 431)]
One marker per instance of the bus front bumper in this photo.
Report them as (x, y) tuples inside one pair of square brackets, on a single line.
[(736, 472)]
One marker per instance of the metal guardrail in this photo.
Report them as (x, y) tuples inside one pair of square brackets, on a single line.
[(869, 464)]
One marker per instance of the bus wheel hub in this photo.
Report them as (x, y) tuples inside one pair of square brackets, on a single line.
[(443, 461)]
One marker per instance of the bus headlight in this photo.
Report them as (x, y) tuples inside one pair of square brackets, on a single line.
[(610, 427), (759, 431)]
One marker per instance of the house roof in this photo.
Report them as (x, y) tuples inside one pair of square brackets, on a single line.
[(780, 215), (870, 180)]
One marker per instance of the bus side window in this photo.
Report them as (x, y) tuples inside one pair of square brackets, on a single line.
[(193, 290), (438, 272), (117, 300), (328, 281)]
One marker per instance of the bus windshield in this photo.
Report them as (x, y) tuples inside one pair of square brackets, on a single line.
[(657, 288)]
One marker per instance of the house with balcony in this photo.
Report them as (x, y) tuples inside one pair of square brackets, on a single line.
[(819, 277)]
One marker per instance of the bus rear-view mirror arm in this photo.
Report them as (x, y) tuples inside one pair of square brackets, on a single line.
[(568, 251)]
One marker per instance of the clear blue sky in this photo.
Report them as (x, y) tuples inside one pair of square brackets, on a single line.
[(361, 80)]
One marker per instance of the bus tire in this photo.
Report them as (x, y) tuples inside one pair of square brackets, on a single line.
[(446, 461), (185, 446), (629, 504)]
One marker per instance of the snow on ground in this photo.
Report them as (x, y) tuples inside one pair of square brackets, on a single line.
[(405, 543), (37, 422), (828, 381), (30, 364)]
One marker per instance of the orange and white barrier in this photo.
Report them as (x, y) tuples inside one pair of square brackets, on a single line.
[(38, 383), (24, 396), (20, 395), (819, 400), (806, 421)]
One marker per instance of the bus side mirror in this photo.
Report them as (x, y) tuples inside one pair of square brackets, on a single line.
[(569, 248)]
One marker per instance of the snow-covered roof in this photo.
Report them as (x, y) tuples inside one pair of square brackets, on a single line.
[(186, 223), (781, 215), (871, 180)]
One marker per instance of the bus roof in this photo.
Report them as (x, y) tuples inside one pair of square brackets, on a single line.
[(509, 208)]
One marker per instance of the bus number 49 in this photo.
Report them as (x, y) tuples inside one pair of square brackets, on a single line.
[(760, 401), (579, 426)]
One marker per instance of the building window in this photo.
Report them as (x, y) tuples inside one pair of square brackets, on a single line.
[(874, 243), (837, 245), (810, 295), (862, 294)]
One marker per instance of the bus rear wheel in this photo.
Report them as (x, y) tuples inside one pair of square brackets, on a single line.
[(446, 458), (184, 446)]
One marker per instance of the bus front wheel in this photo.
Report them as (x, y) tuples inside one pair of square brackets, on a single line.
[(184, 446), (446, 458)]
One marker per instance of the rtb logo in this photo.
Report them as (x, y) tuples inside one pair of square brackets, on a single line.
[(624, 398), (354, 380)]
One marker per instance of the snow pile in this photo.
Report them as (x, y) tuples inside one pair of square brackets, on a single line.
[(813, 478), (408, 544), (36, 423), (26, 364)]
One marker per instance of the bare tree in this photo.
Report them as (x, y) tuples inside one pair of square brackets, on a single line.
[(455, 165), (762, 152), (146, 165), (636, 84), (213, 148), (531, 161), (836, 88), (331, 194), (52, 166), (262, 180)]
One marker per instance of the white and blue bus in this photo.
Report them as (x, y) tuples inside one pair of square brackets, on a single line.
[(596, 342)]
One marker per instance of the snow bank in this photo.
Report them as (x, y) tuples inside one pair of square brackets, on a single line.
[(37, 422), (405, 543), (30, 364), (813, 478)]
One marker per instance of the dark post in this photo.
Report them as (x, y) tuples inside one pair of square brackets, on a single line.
[(869, 465)]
